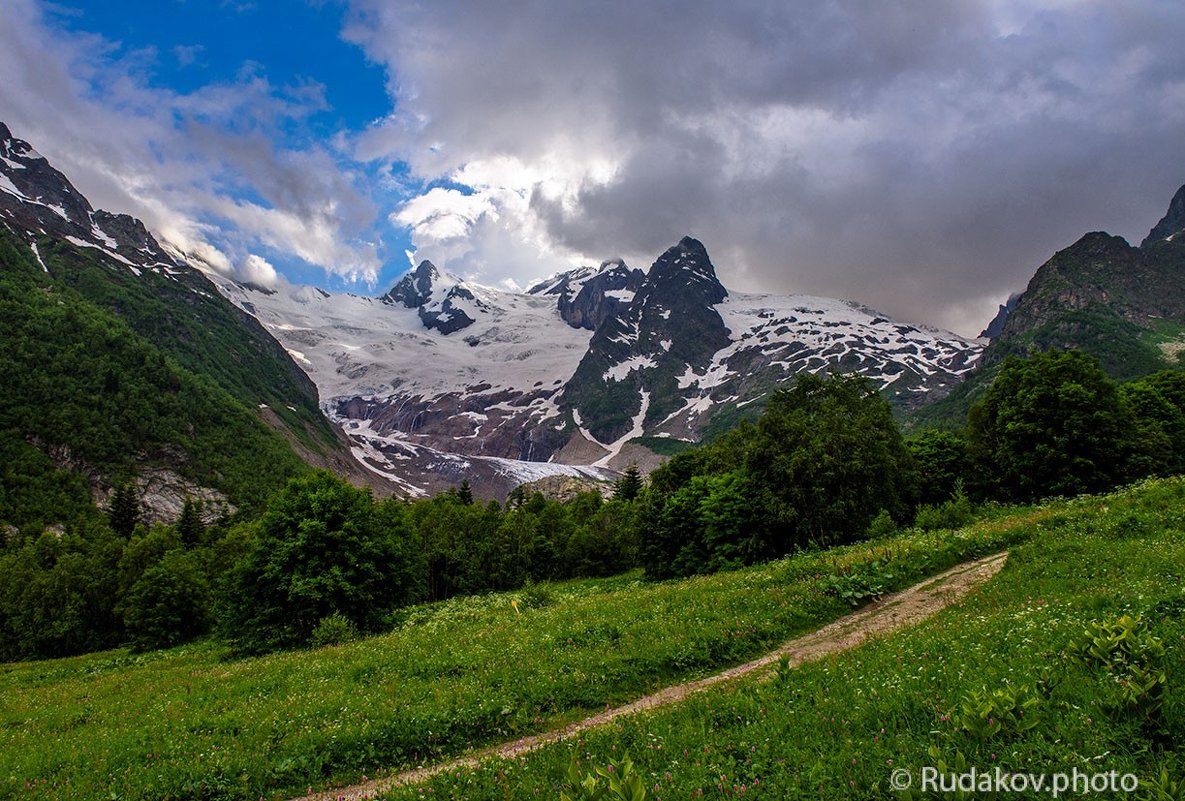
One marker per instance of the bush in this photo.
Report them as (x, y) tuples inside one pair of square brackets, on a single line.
[(952, 514), (333, 630), (882, 526)]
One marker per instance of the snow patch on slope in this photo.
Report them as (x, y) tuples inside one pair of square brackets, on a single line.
[(636, 430)]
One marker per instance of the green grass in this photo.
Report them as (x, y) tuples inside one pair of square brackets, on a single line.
[(663, 446), (839, 727), (189, 723)]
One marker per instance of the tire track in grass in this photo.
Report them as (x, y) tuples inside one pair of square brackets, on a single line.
[(889, 614)]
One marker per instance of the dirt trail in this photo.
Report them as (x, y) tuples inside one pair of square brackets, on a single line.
[(889, 614)]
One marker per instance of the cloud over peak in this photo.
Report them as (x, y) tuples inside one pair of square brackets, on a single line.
[(922, 155)]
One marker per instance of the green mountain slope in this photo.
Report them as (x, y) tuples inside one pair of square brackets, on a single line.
[(88, 401), (1121, 304)]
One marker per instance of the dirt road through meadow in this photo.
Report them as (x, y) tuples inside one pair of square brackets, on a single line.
[(889, 614)]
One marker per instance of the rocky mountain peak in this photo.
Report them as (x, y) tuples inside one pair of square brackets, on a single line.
[(37, 199), (444, 303), (996, 326), (588, 296), (1172, 224), (416, 287), (35, 194), (687, 264)]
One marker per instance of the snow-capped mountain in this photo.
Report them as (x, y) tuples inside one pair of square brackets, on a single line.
[(442, 379)]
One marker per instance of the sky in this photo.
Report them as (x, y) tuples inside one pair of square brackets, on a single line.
[(922, 157)]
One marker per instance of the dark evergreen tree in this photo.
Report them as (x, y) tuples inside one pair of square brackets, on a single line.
[(124, 512), (190, 526), (465, 493), (629, 485)]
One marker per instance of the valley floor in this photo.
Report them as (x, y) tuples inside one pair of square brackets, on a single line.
[(998, 678)]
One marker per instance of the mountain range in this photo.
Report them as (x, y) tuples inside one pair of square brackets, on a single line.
[(583, 373), (441, 379)]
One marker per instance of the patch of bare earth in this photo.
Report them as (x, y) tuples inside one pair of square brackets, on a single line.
[(886, 615)]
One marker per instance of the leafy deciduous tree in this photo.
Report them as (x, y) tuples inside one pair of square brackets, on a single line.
[(1049, 425)]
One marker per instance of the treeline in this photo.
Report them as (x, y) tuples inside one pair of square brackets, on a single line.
[(825, 464), (324, 562)]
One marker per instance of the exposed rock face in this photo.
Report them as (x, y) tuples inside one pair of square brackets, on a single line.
[(586, 297), (481, 421), (566, 488), (415, 289), (1172, 224), (163, 492), (37, 199), (444, 303), (456, 311), (996, 326)]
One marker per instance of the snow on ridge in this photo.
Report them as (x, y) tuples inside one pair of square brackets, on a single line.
[(618, 372), (7, 186), (82, 243)]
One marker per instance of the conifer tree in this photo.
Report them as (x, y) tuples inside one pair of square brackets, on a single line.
[(465, 493), (124, 512), (629, 485), (190, 526)]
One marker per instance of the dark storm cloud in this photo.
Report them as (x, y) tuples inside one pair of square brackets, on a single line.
[(921, 157)]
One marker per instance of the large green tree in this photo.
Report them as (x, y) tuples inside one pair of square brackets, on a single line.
[(322, 548), (1053, 424), (827, 457)]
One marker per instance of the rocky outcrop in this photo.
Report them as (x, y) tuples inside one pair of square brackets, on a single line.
[(1171, 225), (587, 297), (566, 488), (415, 288)]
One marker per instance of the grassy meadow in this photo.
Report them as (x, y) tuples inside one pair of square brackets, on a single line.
[(1035, 672), (193, 723)]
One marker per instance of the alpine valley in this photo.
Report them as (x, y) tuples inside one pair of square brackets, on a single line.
[(136, 362)]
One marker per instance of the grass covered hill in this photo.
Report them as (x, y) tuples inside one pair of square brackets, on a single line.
[(451, 676)]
